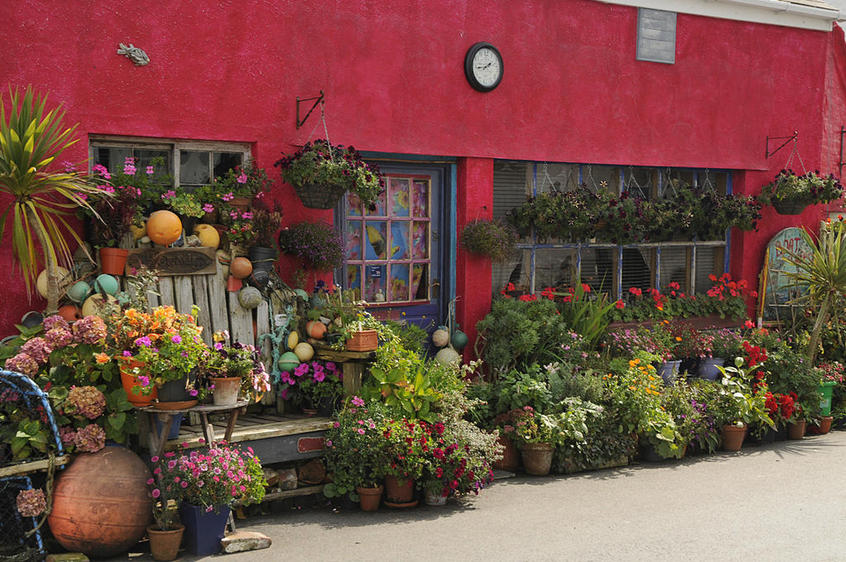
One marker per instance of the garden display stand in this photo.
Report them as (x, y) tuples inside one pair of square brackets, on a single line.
[(353, 364), (158, 438)]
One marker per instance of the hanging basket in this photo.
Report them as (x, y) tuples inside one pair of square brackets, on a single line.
[(316, 196), (790, 206)]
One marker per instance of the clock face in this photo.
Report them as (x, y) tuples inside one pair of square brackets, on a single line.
[(486, 67), (483, 67)]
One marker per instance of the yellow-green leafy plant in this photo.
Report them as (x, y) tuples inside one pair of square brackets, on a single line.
[(31, 140)]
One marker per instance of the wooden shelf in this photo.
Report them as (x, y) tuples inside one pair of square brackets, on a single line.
[(32, 466), (250, 428), (296, 492)]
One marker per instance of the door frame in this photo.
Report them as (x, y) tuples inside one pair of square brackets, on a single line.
[(448, 216)]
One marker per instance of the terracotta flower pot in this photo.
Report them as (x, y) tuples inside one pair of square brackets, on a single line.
[(733, 437), (796, 430), (537, 458), (399, 492), (510, 455), (369, 498), (113, 260), (435, 498), (129, 380), (164, 545), (822, 428), (226, 390)]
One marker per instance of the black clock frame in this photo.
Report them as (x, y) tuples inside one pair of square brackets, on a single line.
[(468, 66)]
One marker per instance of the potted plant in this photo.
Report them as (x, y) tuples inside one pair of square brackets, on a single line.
[(407, 446), (238, 187), (211, 482), (790, 193), (318, 245), (494, 239), (321, 173), (39, 194), (262, 253), (166, 492), (725, 345), (536, 434), (737, 406), (315, 385), (830, 374), (356, 453), (230, 371), (186, 206)]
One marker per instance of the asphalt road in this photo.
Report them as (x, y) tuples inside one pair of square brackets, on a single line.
[(784, 501)]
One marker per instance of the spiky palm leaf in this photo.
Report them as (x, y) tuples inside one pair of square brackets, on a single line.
[(822, 272), (31, 140)]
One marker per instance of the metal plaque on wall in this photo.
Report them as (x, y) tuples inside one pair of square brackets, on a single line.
[(656, 36)]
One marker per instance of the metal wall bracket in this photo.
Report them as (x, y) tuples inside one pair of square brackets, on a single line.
[(317, 101), (841, 163), (794, 137)]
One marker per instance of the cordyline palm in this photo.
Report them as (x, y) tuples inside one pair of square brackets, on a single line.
[(31, 140), (822, 272)]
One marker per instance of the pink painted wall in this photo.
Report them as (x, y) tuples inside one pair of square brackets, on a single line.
[(393, 76)]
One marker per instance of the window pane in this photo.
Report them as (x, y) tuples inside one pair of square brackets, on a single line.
[(641, 182), (674, 267), (638, 268), (378, 208), (353, 205), (420, 281), (554, 267), (225, 161), (399, 240), (194, 168), (557, 177), (354, 277), (708, 261), (353, 240), (597, 268), (601, 178), (399, 282), (159, 159), (421, 240), (376, 237), (374, 289), (511, 181), (112, 158), (420, 199), (399, 196), (511, 271)]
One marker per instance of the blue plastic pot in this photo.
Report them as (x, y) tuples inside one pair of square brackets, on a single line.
[(668, 371), (708, 368), (203, 529)]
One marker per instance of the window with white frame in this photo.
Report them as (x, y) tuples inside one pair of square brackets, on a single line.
[(188, 163), (606, 267)]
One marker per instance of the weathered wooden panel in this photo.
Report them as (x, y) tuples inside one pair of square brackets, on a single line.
[(201, 299), (240, 320), (166, 291), (173, 261), (217, 300), (183, 293)]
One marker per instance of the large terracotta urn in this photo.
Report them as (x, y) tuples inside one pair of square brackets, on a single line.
[(101, 503)]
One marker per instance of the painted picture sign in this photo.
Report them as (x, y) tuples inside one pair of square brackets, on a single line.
[(780, 290)]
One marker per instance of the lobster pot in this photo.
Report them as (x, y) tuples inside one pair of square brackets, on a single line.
[(21, 392), (15, 545)]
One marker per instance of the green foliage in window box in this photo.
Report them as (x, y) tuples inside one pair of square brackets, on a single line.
[(493, 239)]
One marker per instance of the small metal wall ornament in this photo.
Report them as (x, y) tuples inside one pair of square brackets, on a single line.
[(133, 53)]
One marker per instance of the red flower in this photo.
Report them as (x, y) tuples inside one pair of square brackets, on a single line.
[(620, 304)]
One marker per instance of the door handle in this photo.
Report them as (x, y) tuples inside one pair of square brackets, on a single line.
[(436, 286)]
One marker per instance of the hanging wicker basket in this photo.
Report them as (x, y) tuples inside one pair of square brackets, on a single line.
[(316, 196), (790, 206)]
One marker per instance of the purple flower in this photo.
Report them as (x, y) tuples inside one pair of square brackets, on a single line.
[(319, 376), (176, 339), (301, 369), (218, 346), (143, 341), (127, 354)]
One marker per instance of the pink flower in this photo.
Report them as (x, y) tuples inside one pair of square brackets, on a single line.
[(228, 196), (156, 493), (356, 401), (150, 171), (361, 431), (150, 481), (242, 178), (208, 208)]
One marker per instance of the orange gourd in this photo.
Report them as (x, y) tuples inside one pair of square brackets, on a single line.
[(316, 329), (241, 268), (164, 227)]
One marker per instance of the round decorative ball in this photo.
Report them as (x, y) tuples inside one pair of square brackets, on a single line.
[(249, 297), (241, 268), (288, 361), (101, 503), (459, 340), (208, 235), (316, 329), (105, 283), (62, 275), (293, 340), (304, 351), (164, 227), (448, 356), (70, 312), (79, 291), (440, 337), (95, 304)]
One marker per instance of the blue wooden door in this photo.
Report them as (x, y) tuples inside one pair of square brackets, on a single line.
[(394, 249)]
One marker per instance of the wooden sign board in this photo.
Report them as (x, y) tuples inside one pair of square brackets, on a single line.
[(174, 261), (780, 288)]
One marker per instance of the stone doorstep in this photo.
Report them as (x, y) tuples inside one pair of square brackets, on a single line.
[(243, 541), (67, 557)]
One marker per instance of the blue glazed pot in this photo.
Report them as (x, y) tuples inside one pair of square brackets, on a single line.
[(668, 371), (708, 368), (174, 426), (203, 529)]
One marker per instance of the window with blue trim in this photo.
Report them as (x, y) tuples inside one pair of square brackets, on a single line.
[(606, 266)]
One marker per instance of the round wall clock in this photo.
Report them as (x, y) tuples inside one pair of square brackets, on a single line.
[(483, 66)]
